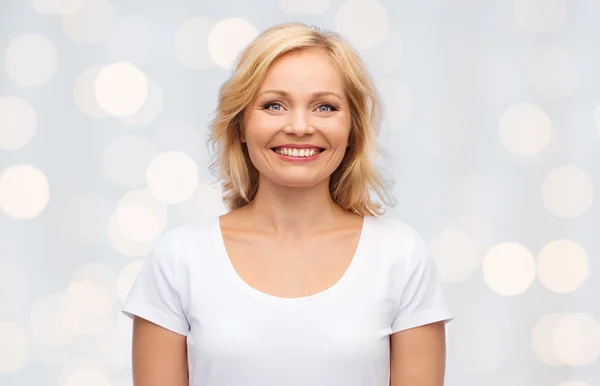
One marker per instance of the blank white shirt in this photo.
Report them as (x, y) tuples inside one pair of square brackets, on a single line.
[(239, 336)]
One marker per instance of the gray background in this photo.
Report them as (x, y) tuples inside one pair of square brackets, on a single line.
[(492, 118)]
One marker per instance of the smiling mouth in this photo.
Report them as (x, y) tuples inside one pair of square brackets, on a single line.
[(298, 153)]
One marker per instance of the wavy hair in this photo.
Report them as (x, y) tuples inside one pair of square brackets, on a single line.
[(357, 184)]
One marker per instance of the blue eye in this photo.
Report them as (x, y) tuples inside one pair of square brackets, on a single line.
[(273, 106), (326, 108)]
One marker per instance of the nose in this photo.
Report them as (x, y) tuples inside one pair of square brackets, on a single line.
[(299, 124)]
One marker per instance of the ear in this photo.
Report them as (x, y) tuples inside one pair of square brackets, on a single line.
[(242, 135)]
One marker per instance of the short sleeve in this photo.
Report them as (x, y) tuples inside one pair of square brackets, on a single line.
[(156, 292), (423, 300)]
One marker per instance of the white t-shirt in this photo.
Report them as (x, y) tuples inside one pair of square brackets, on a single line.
[(240, 336)]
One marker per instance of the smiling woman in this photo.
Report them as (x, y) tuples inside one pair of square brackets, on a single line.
[(302, 282)]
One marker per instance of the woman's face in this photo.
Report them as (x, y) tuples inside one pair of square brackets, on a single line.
[(298, 126)]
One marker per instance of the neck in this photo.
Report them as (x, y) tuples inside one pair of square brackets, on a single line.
[(294, 211)]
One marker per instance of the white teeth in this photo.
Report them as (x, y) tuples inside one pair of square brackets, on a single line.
[(297, 152)]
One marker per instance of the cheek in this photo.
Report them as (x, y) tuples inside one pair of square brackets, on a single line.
[(260, 128), (337, 131)]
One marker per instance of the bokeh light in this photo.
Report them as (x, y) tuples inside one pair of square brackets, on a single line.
[(227, 38), (172, 177), (151, 108), (56, 7), (567, 191), (31, 60), (455, 254), (18, 123), (525, 129), (562, 266), (540, 16), (14, 350), (85, 93), (87, 307), (364, 23), (304, 7), (24, 192), (91, 21), (509, 269), (576, 339), (120, 231), (47, 324), (121, 89), (127, 277)]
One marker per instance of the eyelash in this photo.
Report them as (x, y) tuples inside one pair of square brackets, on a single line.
[(269, 104)]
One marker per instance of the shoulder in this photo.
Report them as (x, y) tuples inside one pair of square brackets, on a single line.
[(397, 237), (394, 231), (179, 241)]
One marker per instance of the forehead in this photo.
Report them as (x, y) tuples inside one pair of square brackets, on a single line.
[(301, 70)]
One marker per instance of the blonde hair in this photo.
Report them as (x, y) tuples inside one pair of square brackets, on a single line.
[(352, 183)]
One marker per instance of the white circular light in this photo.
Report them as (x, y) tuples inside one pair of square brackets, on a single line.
[(137, 223), (127, 277), (172, 177), (304, 7), (541, 339), (14, 350), (121, 89), (24, 192), (87, 307), (509, 269), (149, 110), (228, 38), (99, 274), (91, 21), (18, 123), (364, 22), (540, 16), (153, 208), (47, 321), (85, 93), (31, 60), (576, 339), (562, 266), (87, 378), (567, 192), (56, 7), (455, 255), (525, 130), (84, 372)]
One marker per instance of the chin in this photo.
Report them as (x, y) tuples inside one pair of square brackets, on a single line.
[(297, 182)]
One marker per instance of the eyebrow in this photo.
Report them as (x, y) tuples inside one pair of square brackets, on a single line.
[(317, 94)]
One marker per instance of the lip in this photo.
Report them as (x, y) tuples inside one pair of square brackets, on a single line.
[(286, 158), (299, 146)]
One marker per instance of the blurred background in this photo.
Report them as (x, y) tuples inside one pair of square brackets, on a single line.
[(492, 121)]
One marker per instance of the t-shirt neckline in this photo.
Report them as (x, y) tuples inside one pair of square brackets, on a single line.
[(343, 282)]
